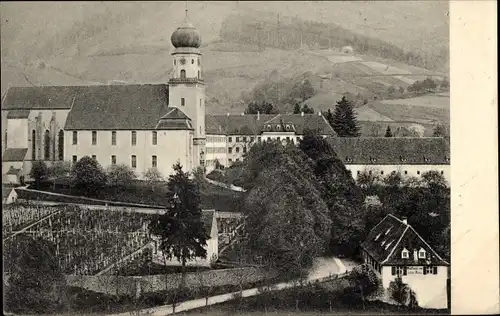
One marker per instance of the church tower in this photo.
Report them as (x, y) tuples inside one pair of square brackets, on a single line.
[(186, 86)]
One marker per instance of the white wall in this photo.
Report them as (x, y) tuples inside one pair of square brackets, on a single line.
[(171, 146), (430, 289), (17, 133), (215, 148), (411, 170)]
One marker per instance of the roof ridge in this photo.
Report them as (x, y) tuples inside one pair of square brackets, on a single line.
[(272, 118), (394, 248)]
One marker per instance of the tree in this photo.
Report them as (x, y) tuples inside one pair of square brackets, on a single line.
[(39, 172), (181, 230), (297, 109), (120, 175), (307, 110), (363, 281), (260, 107), (87, 175), (58, 170), (345, 122), (388, 132), (329, 116), (445, 84), (440, 131), (35, 282), (367, 179), (153, 175), (391, 90), (399, 291)]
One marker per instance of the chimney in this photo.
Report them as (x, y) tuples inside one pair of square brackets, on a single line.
[(258, 115), (405, 221), (301, 113)]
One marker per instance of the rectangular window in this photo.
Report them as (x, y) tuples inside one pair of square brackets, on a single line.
[(75, 159), (94, 157), (406, 172), (230, 139), (244, 149), (252, 139), (382, 172), (279, 138), (430, 270), (154, 161), (113, 160), (418, 172), (155, 138), (230, 150), (244, 138), (94, 138), (237, 149), (113, 138), (134, 138), (134, 161), (183, 102), (75, 137), (259, 139), (230, 160), (237, 139)]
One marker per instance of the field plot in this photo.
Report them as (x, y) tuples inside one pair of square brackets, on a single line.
[(431, 101), (365, 113), (412, 113)]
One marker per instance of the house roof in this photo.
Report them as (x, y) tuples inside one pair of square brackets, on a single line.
[(175, 119), (252, 124), (13, 171), (6, 190), (18, 114), (391, 150), (118, 107), (14, 154), (40, 97), (387, 239)]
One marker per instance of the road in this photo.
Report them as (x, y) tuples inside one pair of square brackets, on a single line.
[(322, 268)]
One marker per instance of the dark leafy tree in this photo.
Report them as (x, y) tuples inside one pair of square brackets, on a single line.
[(399, 291), (388, 132), (120, 175), (363, 281), (35, 283), (39, 172), (307, 110), (345, 122), (58, 170), (181, 230), (260, 107), (87, 175), (297, 109), (440, 131)]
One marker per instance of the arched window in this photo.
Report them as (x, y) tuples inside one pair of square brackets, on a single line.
[(47, 145), (5, 139), (183, 74), (60, 143), (192, 61), (33, 145), (199, 75)]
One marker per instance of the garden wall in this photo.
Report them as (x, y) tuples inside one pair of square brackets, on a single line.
[(134, 285)]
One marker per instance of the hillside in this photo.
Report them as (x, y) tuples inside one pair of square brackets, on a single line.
[(97, 43)]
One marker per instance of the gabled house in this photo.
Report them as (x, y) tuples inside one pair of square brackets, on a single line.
[(393, 248)]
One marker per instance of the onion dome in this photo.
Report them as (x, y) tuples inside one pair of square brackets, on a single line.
[(186, 36)]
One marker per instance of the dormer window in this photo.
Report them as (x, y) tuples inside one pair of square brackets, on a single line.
[(269, 127), (447, 159), (427, 159), (383, 243), (387, 246), (278, 127), (377, 237), (401, 158), (373, 159), (388, 230), (348, 159), (421, 254), (405, 254)]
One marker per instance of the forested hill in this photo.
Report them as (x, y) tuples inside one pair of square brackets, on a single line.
[(271, 30)]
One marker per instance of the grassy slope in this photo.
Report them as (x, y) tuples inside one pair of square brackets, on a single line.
[(98, 42)]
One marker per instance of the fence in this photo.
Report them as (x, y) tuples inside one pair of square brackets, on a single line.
[(134, 285)]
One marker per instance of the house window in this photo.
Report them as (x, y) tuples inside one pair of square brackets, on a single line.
[(113, 138), (229, 139), (134, 161), (406, 172), (237, 159), (370, 172), (155, 138), (421, 254), (405, 254), (199, 75), (113, 160), (278, 127), (134, 138), (183, 102), (154, 161), (75, 137), (244, 149), (75, 159), (259, 139), (47, 145), (61, 145), (94, 157), (430, 270), (288, 139), (94, 138), (358, 172), (244, 138), (382, 172), (279, 138), (442, 172), (237, 139), (418, 171), (252, 139), (33, 145), (183, 74), (237, 149), (230, 150), (192, 61), (201, 104), (398, 270)]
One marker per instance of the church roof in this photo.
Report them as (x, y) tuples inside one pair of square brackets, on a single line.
[(251, 124), (41, 97), (392, 150), (14, 154), (118, 107), (387, 239)]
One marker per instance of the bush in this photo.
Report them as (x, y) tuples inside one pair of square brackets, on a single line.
[(120, 175), (39, 172), (87, 175)]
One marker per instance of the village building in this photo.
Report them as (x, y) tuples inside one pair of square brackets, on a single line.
[(9, 195), (393, 248)]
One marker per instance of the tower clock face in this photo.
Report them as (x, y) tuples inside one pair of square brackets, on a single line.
[(183, 61)]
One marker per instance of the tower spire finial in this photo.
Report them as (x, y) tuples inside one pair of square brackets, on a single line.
[(186, 9)]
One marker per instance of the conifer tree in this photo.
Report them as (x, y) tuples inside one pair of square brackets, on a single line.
[(297, 109), (181, 230), (345, 122), (388, 132)]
